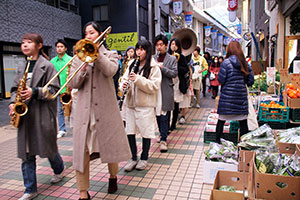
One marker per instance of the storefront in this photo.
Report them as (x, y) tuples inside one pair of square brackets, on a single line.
[(11, 57)]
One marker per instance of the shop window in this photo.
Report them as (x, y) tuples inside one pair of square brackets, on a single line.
[(143, 15), (100, 13)]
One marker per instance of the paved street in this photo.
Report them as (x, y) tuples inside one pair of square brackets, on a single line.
[(176, 174)]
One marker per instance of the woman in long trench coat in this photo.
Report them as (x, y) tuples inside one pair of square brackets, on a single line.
[(97, 122)]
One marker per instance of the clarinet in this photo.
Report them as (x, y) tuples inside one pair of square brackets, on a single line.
[(128, 84)]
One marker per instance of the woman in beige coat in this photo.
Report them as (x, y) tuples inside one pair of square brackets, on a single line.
[(97, 126), (144, 79)]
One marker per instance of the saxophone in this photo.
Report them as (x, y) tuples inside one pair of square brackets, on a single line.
[(122, 73), (66, 97), (177, 55), (129, 83), (20, 108)]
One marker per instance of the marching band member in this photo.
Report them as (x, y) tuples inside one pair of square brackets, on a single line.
[(130, 55), (144, 79), (37, 129), (168, 68), (98, 128), (181, 83), (59, 61)]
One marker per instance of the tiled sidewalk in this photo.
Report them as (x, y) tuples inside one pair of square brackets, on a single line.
[(176, 174)]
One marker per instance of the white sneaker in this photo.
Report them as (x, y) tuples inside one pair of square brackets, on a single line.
[(197, 106), (57, 177), (130, 166), (142, 164), (28, 196), (61, 134), (163, 146), (181, 120)]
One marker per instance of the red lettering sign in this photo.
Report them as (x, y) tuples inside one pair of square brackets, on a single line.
[(232, 5)]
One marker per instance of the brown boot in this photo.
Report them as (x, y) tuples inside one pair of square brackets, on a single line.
[(112, 185)]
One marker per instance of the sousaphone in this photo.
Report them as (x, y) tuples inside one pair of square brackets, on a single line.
[(188, 40)]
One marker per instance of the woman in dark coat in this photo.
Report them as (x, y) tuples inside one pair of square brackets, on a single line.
[(235, 74)]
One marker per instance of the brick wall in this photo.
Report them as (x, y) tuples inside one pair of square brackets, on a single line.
[(19, 17)]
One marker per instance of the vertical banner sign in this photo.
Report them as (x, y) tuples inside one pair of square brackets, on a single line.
[(177, 7), (214, 34), (232, 7), (239, 29), (120, 41), (188, 18), (226, 42), (220, 41), (207, 30), (270, 75)]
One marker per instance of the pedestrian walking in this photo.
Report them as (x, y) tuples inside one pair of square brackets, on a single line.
[(37, 129), (200, 68), (213, 77), (143, 78), (234, 76), (98, 129)]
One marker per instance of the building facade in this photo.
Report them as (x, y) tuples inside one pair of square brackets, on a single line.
[(53, 20)]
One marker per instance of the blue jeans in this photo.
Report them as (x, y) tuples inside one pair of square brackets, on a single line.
[(29, 171), (60, 115), (163, 122)]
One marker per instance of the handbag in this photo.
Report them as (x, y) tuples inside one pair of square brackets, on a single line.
[(212, 76)]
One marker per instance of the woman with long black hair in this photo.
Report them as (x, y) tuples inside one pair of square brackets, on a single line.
[(181, 83), (143, 78)]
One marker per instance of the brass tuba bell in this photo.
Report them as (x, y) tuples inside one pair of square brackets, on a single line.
[(188, 40)]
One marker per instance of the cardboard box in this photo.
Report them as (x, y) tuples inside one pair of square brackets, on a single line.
[(238, 180), (287, 148), (212, 128), (245, 158), (211, 168), (293, 103), (264, 185)]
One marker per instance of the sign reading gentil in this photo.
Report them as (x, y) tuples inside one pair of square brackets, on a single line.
[(120, 41)]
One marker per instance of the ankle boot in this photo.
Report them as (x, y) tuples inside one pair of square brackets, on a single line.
[(112, 185)]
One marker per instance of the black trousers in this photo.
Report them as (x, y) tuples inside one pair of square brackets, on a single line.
[(204, 84), (215, 90), (220, 126)]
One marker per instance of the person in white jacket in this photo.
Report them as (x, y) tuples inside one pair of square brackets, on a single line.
[(142, 81)]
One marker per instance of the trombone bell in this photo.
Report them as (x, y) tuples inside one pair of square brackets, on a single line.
[(86, 50)]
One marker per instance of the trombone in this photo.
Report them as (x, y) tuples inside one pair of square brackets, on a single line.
[(87, 52)]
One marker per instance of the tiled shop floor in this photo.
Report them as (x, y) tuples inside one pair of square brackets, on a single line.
[(176, 174)]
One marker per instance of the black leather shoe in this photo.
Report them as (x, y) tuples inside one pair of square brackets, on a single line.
[(89, 197), (112, 185)]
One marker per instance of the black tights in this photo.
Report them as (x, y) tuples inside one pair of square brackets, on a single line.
[(133, 148), (220, 125)]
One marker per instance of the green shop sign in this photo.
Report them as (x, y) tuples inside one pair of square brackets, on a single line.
[(120, 41)]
